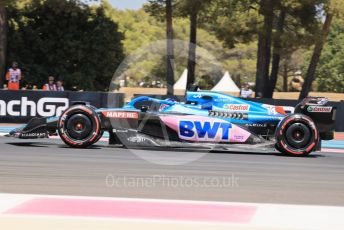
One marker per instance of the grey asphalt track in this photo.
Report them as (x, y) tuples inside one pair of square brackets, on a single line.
[(49, 167)]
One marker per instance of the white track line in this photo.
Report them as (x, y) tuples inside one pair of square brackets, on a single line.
[(9, 201)]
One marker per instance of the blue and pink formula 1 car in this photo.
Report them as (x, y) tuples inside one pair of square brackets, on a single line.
[(208, 120)]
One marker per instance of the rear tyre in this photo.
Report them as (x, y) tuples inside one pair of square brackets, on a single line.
[(79, 126), (296, 135)]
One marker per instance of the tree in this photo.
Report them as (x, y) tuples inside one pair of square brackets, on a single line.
[(276, 55), (242, 21), (332, 9), (290, 63), (330, 70), (233, 21), (206, 82), (294, 28), (3, 40), (310, 75), (264, 47), (281, 27), (142, 30), (170, 53), (67, 39), (191, 9), (155, 8)]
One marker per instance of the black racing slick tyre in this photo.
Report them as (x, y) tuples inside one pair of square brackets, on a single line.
[(296, 135), (79, 126)]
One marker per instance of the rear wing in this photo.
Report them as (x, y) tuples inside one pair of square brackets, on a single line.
[(322, 114), (314, 101)]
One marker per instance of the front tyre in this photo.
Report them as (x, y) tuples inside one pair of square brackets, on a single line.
[(296, 135), (79, 126)]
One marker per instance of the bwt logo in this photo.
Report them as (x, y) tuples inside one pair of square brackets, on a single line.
[(204, 130), (45, 107)]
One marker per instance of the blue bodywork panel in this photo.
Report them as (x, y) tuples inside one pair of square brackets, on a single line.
[(214, 104)]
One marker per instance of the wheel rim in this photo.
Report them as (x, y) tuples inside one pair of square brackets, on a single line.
[(298, 135), (79, 127)]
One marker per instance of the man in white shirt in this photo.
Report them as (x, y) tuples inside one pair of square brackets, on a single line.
[(246, 92)]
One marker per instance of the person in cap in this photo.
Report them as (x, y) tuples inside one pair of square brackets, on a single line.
[(13, 76), (50, 86)]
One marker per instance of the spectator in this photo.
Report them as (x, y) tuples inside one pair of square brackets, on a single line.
[(13, 76), (59, 85), (246, 92), (50, 86)]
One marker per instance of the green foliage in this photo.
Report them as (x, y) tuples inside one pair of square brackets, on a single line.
[(330, 71), (66, 39), (157, 8), (238, 22), (233, 21), (184, 8), (206, 82), (141, 29), (302, 24), (84, 46)]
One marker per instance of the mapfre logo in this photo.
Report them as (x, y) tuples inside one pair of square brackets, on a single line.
[(45, 107), (237, 107), (120, 114), (319, 109)]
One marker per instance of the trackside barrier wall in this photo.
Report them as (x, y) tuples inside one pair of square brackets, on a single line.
[(339, 124), (21, 106)]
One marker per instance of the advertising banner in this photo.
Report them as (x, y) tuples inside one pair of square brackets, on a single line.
[(21, 106)]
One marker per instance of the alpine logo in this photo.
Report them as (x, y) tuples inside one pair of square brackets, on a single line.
[(319, 109), (198, 130), (45, 107), (120, 114), (237, 107)]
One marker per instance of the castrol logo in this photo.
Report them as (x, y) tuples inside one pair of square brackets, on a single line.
[(319, 109), (237, 107)]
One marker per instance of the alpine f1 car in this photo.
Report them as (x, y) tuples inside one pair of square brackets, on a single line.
[(205, 120)]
